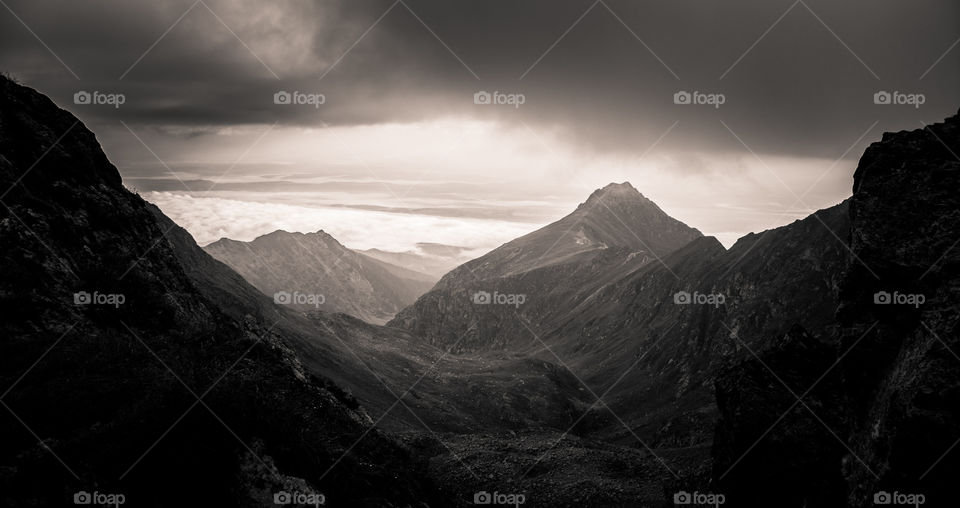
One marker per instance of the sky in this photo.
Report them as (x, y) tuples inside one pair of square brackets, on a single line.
[(387, 140)]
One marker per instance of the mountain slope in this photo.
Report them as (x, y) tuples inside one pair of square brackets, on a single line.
[(616, 216), (103, 397), (552, 269), (902, 380), (880, 408), (317, 264), (668, 352)]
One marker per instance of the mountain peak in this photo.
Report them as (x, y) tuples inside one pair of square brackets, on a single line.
[(616, 191)]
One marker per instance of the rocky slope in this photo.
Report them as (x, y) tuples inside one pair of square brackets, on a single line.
[(111, 335), (880, 392), (902, 380), (317, 265), (769, 448), (668, 352), (610, 315)]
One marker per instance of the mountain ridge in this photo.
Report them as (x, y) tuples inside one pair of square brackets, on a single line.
[(92, 387), (588, 245), (350, 282)]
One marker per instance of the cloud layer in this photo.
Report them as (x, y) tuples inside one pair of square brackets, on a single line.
[(798, 77), (599, 79)]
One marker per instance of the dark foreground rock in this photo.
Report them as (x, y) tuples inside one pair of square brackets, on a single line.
[(121, 375), (882, 420)]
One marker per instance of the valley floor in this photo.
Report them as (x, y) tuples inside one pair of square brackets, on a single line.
[(552, 469)]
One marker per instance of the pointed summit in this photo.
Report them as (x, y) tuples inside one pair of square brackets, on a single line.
[(615, 231), (617, 190), (614, 193), (614, 217)]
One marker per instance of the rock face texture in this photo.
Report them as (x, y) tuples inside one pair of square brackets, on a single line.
[(880, 408), (317, 265), (902, 379), (771, 449), (113, 331)]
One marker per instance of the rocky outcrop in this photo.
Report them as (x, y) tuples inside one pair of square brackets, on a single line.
[(884, 382), (774, 444), (902, 375), (110, 336)]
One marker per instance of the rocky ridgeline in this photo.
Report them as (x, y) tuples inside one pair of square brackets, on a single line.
[(315, 272), (881, 407), (111, 333)]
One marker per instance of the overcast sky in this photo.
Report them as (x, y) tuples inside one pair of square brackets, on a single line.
[(400, 153)]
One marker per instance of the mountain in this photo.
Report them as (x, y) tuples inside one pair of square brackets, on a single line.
[(602, 304), (330, 276), (654, 339), (433, 259), (902, 379), (134, 363), (879, 409), (614, 324), (542, 275), (614, 217)]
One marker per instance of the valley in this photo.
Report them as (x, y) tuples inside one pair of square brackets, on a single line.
[(641, 362)]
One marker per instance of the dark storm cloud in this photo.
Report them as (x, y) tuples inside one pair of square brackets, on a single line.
[(805, 88)]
